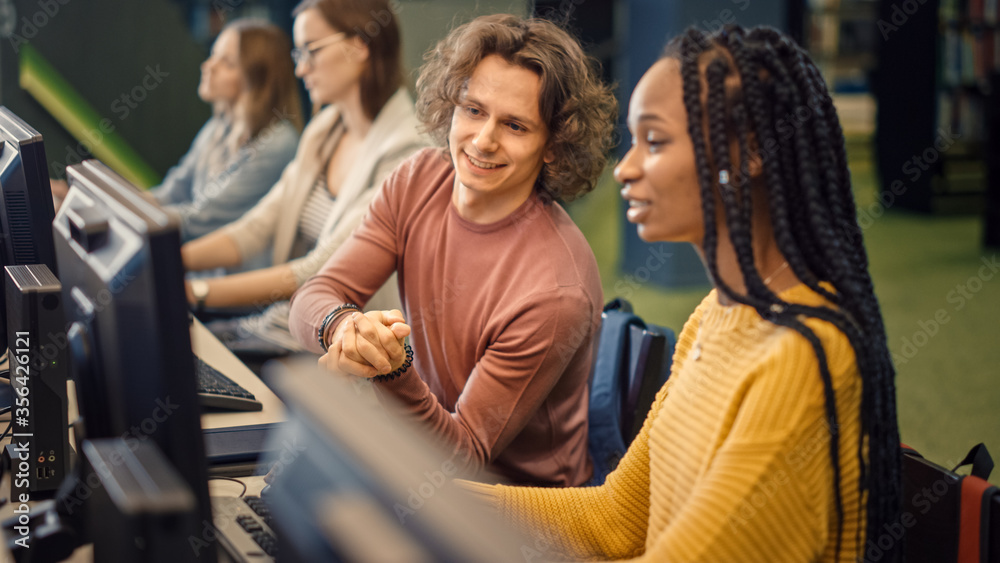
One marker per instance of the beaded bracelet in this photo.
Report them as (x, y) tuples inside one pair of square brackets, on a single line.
[(402, 369), (326, 321)]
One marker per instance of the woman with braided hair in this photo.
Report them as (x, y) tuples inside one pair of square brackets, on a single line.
[(775, 438)]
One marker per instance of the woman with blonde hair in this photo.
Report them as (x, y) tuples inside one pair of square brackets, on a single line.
[(366, 127), (252, 134)]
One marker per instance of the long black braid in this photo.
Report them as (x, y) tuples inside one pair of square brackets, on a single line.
[(753, 81)]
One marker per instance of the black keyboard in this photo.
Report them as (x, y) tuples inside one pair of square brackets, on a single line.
[(217, 391), (244, 528)]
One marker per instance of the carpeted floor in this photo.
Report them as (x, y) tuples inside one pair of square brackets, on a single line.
[(940, 294)]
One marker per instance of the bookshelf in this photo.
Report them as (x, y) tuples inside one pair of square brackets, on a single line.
[(933, 87), (991, 226), (841, 40), (206, 18)]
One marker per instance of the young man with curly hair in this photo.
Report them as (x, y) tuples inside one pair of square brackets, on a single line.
[(500, 290)]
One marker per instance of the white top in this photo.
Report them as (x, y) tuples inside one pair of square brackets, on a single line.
[(314, 214)]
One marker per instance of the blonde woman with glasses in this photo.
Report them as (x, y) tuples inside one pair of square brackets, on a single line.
[(366, 127)]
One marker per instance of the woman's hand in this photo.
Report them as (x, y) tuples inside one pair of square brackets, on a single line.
[(59, 188)]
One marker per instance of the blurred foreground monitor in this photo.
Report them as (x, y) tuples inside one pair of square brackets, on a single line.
[(354, 484)]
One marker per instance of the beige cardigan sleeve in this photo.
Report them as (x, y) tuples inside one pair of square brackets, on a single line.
[(305, 267), (254, 231)]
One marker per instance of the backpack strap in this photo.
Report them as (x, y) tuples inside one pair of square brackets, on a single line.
[(982, 462), (607, 388), (618, 304)]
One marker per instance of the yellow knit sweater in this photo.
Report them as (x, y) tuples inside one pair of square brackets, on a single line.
[(732, 463)]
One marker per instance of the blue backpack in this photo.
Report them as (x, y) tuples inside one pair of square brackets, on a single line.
[(632, 364)]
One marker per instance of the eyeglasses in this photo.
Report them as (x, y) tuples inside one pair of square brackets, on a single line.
[(306, 54)]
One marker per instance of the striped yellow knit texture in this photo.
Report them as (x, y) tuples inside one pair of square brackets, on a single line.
[(733, 462)]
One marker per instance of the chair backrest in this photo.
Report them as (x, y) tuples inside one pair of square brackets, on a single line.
[(651, 352), (632, 363), (946, 517)]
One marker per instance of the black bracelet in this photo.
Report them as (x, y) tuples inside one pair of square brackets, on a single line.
[(402, 369), (326, 321)]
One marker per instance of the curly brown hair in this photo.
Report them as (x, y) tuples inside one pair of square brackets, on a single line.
[(576, 106)]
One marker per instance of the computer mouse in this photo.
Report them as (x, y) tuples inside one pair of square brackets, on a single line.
[(265, 492)]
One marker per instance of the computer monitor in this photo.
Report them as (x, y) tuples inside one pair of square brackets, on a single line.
[(26, 209), (129, 340), (353, 483)]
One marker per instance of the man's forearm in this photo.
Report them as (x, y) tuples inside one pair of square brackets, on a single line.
[(310, 306)]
